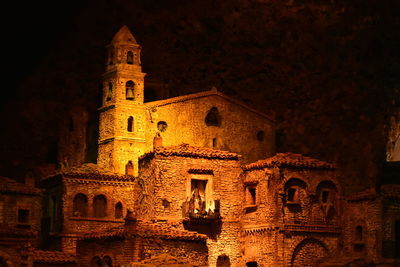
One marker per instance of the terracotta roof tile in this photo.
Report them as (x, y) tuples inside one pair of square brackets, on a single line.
[(290, 160), (52, 256), (94, 172), (9, 185), (185, 150), (147, 229)]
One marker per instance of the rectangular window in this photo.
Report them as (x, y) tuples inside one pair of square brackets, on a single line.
[(251, 195), (23, 216)]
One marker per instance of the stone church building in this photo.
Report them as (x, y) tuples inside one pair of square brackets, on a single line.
[(192, 180)]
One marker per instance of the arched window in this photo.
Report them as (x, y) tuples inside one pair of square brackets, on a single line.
[(129, 168), (99, 206), (359, 233), (118, 211), (109, 91), (80, 206), (96, 262), (129, 58), (213, 118), (107, 261), (130, 124), (251, 264), (130, 87)]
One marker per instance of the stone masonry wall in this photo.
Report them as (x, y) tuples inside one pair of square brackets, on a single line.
[(237, 133)]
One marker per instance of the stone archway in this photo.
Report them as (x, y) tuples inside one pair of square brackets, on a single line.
[(308, 253)]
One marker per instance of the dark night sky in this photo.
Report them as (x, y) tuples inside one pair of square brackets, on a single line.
[(329, 70)]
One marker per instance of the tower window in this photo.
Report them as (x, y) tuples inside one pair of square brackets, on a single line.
[(99, 206), (213, 117), (129, 58), (129, 168), (118, 211), (214, 142), (109, 91), (130, 86), (130, 124)]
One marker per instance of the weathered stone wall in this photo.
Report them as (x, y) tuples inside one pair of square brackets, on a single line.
[(309, 234), (237, 132), (113, 191), (167, 180), (192, 252), (366, 213), (113, 248)]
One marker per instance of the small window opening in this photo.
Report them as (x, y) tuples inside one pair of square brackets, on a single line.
[(292, 195), (325, 196), (109, 91), (23, 216), (213, 117), (252, 192), (129, 58), (129, 168), (118, 211), (130, 124), (260, 136), (252, 264), (359, 233), (214, 142), (100, 206), (130, 86), (162, 126), (80, 206)]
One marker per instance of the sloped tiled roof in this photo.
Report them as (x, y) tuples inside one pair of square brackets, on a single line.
[(290, 160), (202, 94), (9, 185), (94, 172), (146, 229), (185, 150), (52, 256)]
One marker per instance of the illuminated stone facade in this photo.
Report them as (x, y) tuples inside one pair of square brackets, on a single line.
[(193, 181), (210, 119)]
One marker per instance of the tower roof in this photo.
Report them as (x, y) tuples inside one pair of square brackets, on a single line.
[(124, 35)]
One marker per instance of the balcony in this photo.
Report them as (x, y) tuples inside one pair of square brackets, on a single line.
[(198, 211)]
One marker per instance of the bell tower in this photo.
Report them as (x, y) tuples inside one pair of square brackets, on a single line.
[(122, 115)]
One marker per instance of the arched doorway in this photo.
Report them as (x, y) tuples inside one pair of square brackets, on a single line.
[(308, 253)]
